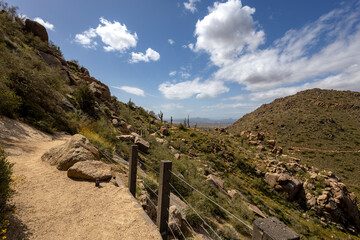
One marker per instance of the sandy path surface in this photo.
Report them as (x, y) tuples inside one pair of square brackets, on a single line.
[(52, 206)]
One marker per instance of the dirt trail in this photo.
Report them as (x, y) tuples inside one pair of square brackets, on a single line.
[(52, 206), (298, 149)]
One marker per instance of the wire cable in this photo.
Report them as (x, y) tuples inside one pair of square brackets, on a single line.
[(148, 166), (195, 211), (153, 191), (171, 230), (151, 202), (250, 228), (148, 156), (176, 225)]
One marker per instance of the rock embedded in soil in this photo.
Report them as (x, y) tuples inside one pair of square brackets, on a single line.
[(90, 170), (77, 149)]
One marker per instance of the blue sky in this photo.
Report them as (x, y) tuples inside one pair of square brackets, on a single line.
[(215, 59)]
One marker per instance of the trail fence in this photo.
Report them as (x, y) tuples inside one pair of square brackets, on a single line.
[(267, 228)]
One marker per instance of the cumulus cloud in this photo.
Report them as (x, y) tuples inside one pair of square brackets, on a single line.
[(187, 89), (46, 24), (304, 57), (227, 31), (114, 35), (171, 42), (86, 38), (191, 5), (132, 90), (150, 55)]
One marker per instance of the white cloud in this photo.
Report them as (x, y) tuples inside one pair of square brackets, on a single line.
[(185, 74), (47, 25), (187, 89), (191, 5), (172, 73), (150, 55), (86, 38), (304, 57), (132, 90), (238, 97), (349, 79), (227, 31), (232, 105), (171, 42), (171, 106), (190, 46), (114, 35)]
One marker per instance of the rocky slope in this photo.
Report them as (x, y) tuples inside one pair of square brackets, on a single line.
[(322, 127)]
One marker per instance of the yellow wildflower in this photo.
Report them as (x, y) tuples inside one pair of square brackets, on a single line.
[(4, 231), (15, 211), (4, 237)]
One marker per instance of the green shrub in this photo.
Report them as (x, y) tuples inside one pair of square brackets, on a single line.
[(182, 127), (86, 99), (5, 180), (9, 102)]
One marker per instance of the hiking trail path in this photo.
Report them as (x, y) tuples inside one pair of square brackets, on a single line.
[(52, 206)]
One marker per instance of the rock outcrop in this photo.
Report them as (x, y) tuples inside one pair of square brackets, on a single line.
[(37, 29), (76, 149), (90, 170), (321, 192)]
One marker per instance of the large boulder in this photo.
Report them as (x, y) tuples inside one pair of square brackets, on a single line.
[(37, 29), (99, 89), (76, 149), (90, 170), (142, 144), (51, 60), (284, 182)]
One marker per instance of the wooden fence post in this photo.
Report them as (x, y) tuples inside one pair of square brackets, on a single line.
[(133, 169), (164, 198)]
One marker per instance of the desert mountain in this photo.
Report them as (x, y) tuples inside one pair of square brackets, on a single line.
[(258, 167), (322, 127)]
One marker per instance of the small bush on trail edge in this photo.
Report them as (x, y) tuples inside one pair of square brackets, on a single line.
[(5, 181)]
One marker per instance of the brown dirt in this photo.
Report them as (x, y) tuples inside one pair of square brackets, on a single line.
[(51, 206), (299, 149)]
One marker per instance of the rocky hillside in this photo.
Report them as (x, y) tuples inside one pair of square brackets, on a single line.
[(322, 127), (252, 174)]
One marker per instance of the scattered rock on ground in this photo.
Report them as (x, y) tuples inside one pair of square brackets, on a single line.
[(90, 170), (256, 210), (164, 131), (175, 220), (126, 138), (218, 182), (142, 144)]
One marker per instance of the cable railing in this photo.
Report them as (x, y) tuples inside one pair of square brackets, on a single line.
[(163, 196)]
